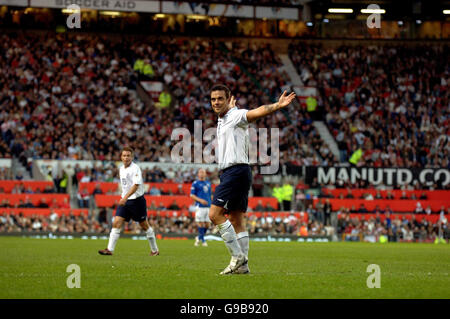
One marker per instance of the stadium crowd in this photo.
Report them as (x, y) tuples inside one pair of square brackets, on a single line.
[(391, 101), (350, 229), (71, 96)]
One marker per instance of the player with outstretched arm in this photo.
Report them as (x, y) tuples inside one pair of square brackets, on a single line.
[(231, 195), (132, 205)]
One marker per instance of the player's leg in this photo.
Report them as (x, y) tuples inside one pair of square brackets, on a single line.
[(113, 235), (197, 222), (237, 219), (205, 229), (139, 207), (200, 233), (150, 236), (227, 232), (202, 222), (237, 208)]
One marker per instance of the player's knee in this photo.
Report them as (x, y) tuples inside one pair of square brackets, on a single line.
[(214, 216), (149, 231), (117, 224)]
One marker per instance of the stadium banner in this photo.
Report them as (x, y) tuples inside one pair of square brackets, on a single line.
[(303, 92), (14, 3), (5, 162), (209, 9), (277, 13), (377, 176), (153, 88), (111, 5)]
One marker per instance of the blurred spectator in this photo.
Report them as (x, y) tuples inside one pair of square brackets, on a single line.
[(155, 191), (259, 207), (327, 208), (48, 190), (287, 193), (258, 183), (83, 198), (65, 203), (97, 190), (43, 203), (277, 192), (174, 206)]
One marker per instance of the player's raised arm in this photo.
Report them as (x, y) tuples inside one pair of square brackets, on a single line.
[(264, 110)]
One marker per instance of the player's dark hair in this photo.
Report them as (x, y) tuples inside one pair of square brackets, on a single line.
[(221, 87), (127, 149)]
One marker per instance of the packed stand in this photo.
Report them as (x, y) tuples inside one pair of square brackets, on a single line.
[(247, 69), (395, 229), (68, 96), (348, 229), (391, 101)]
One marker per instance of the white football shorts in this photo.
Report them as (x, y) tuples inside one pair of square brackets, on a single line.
[(202, 215)]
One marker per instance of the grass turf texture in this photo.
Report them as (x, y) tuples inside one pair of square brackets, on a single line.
[(36, 268)]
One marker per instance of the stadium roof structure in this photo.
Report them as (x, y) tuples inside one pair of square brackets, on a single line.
[(393, 10)]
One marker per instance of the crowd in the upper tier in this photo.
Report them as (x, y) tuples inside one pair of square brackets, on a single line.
[(391, 101), (71, 96), (68, 96)]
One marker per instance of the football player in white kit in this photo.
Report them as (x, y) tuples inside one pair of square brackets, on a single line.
[(236, 177), (132, 205)]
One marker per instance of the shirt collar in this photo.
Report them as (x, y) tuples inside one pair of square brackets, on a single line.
[(228, 112)]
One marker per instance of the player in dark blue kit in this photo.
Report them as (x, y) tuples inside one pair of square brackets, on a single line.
[(201, 193)]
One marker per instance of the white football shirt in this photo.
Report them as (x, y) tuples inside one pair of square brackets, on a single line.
[(130, 176), (233, 138)]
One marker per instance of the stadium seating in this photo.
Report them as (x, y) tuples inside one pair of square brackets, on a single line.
[(36, 186), (430, 218), (395, 205), (371, 101), (35, 199), (302, 217), (397, 193), (166, 200), (106, 187), (43, 211)]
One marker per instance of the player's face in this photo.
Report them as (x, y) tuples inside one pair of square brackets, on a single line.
[(126, 158), (201, 175), (219, 101)]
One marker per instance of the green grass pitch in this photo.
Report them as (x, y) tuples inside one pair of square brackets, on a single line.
[(36, 268)]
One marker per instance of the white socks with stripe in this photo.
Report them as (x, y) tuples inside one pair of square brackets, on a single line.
[(243, 240), (113, 238), (151, 239), (228, 234)]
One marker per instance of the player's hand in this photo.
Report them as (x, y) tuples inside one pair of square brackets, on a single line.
[(122, 202), (232, 102), (204, 202), (286, 100)]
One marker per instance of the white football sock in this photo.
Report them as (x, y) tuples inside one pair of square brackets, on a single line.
[(113, 238), (243, 240), (228, 234), (151, 239)]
